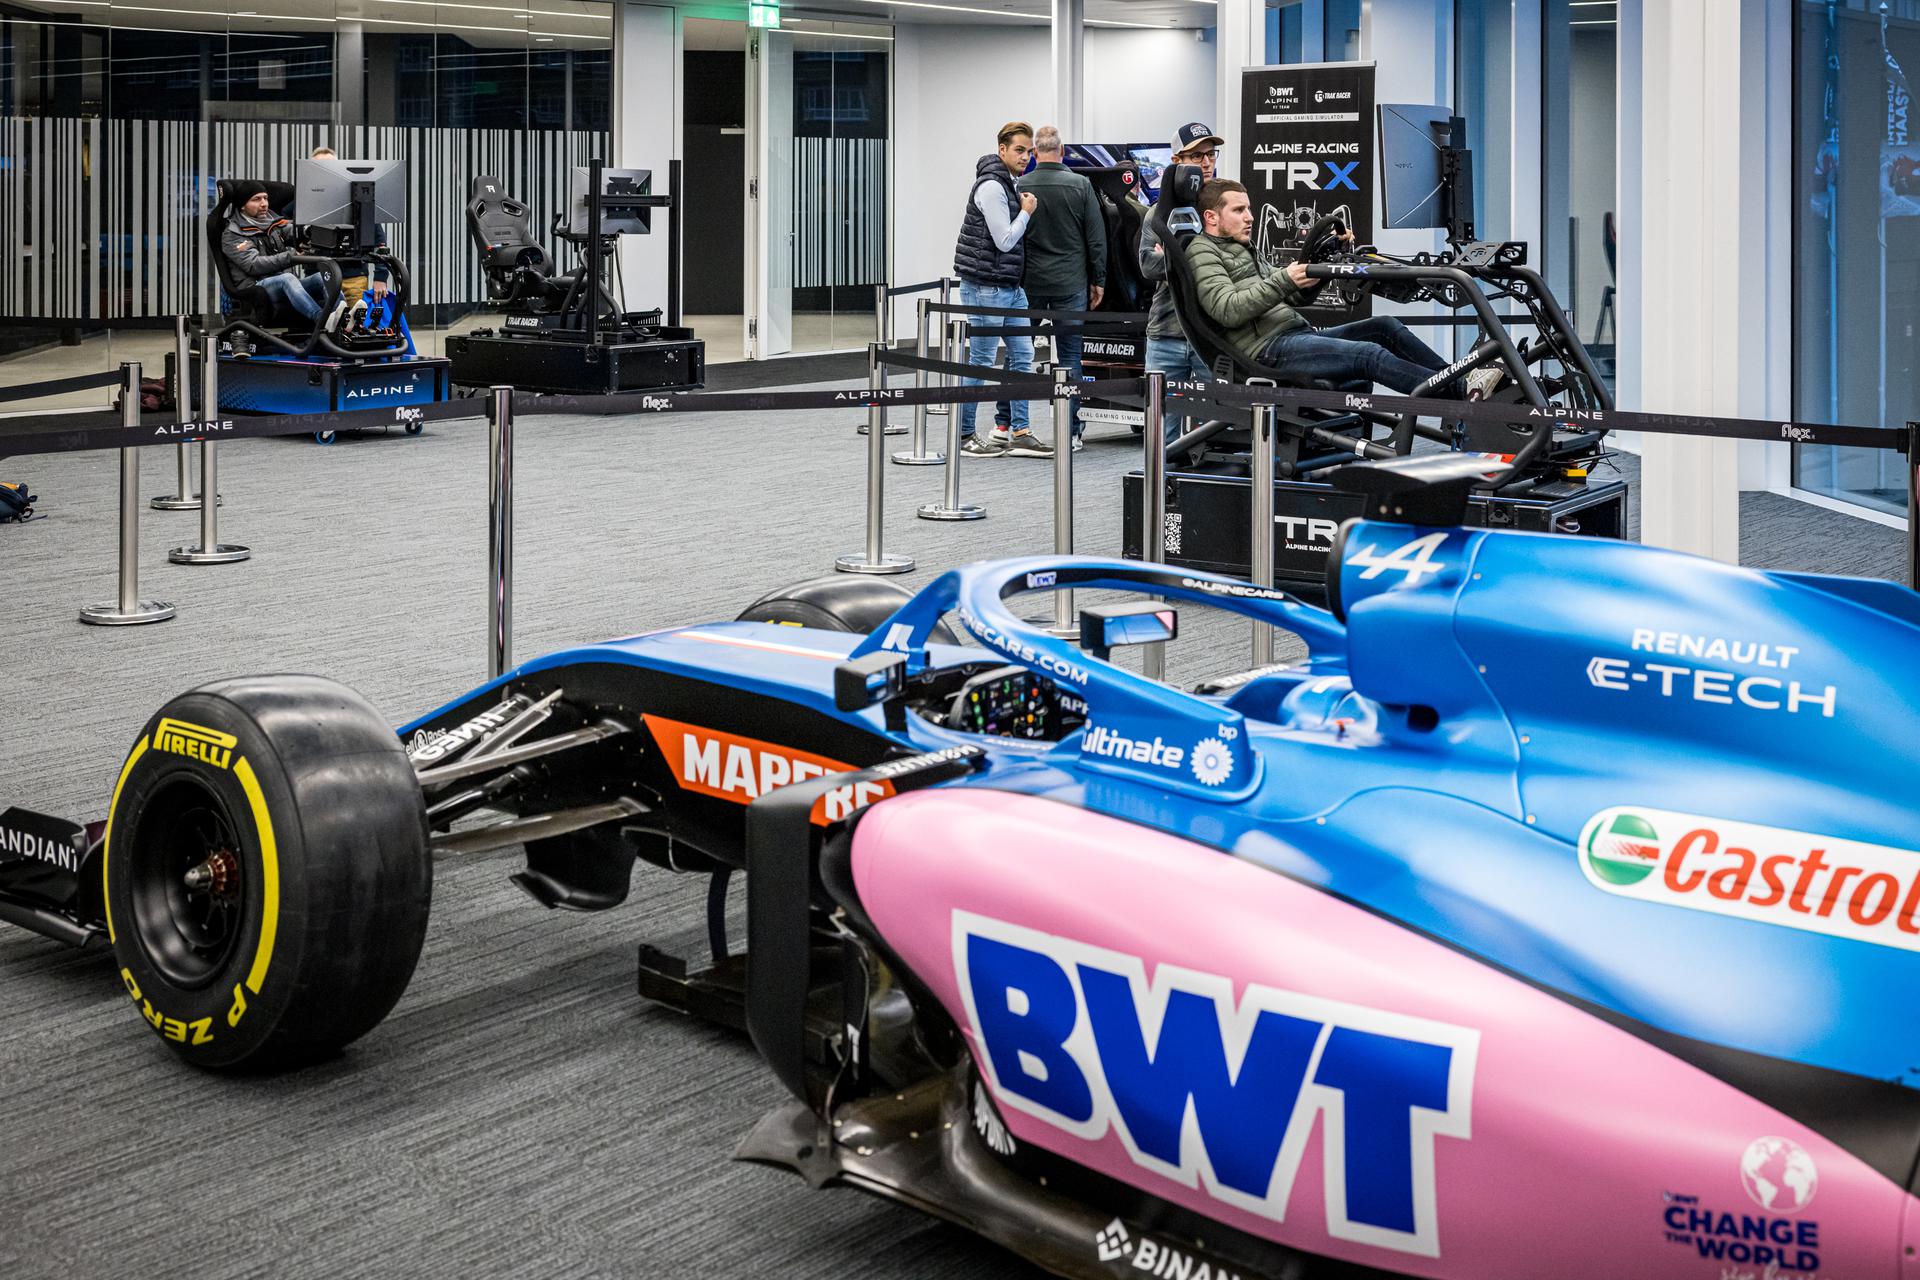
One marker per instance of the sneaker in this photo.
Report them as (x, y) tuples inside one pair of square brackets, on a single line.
[(1483, 382), (1027, 445), (1079, 443), (976, 446), (1001, 435), (339, 313)]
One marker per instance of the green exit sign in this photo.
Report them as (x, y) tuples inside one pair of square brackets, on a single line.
[(763, 15)]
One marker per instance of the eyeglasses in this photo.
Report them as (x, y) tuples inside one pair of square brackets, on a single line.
[(1208, 154)]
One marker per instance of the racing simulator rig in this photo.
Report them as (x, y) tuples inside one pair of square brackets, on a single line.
[(361, 357), (1427, 183), (567, 333)]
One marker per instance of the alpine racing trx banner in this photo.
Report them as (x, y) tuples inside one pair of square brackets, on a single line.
[(1307, 150)]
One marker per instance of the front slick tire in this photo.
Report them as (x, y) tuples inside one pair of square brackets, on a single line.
[(267, 872)]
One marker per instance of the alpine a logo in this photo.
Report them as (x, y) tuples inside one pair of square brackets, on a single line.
[(1213, 1085), (1794, 879)]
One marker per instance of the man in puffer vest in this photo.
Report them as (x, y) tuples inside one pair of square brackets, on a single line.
[(990, 259)]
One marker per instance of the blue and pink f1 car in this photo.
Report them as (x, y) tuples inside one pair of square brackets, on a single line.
[(1558, 914)]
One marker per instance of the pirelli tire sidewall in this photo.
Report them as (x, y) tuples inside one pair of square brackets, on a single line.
[(334, 871)]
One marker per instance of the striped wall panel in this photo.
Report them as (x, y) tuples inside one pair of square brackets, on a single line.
[(839, 211), (106, 218)]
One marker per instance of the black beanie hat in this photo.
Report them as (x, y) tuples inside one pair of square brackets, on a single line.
[(245, 189)]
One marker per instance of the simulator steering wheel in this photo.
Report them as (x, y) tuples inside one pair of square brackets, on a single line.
[(1322, 239)]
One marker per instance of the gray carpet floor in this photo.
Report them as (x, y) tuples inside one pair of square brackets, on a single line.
[(523, 1112)]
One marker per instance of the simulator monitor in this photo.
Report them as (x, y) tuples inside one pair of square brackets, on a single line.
[(627, 202), (1426, 170), (360, 194)]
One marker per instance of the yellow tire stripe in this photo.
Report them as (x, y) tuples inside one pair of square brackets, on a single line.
[(269, 874), (106, 848)]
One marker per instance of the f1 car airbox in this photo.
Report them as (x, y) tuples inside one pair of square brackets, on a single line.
[(1780, 699)]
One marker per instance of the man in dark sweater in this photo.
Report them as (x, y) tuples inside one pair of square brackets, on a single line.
[(1066, 249), (990, 258)]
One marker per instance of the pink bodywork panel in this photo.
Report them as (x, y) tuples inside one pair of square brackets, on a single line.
[(1582, 1139)]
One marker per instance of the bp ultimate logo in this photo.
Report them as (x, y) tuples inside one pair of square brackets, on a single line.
[(1219, 1093)]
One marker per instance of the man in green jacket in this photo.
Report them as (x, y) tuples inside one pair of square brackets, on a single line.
[(1066, 249), (1253, 305)]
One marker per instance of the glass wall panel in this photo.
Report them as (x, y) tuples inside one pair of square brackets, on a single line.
[(1483, 95), (1856, 239), (117, 121), (1313, 31)]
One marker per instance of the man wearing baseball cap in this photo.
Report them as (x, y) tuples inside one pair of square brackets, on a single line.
[(1167, 347)]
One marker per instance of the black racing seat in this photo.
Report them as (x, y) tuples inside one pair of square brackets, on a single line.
[(244, 298), (1118, 189), (519, 269)]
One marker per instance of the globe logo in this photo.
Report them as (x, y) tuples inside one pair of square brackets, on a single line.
[(1779, 1175), (1623, 851)]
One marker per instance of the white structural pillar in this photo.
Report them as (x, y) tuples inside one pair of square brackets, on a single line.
[(646, 131), (1069, 69), (1700, 241), (1241, 42)]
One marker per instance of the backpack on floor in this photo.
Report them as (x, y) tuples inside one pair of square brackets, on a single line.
[(16, 504)]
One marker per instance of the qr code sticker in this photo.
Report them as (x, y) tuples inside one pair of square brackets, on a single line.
[(1170, 535)]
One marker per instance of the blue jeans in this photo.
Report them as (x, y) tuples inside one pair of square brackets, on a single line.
[(1176, 358), (980, 351), (304, 294), (1380, 349)]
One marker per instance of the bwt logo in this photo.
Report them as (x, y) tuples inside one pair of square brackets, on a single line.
[(1799, 435), (1306, 173), (1222, 1092)]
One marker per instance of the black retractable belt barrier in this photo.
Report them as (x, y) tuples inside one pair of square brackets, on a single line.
[(902, 290), (59, 386), (990, 374), (1036, 313)]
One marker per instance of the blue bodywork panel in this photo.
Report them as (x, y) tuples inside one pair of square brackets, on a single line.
[(1454, 748)]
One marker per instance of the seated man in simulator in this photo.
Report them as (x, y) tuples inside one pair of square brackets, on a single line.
[(1255, 306), (261, 246)]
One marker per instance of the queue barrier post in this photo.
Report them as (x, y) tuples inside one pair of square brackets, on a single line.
[(1261, 562), (1153, 502), (918, 455), (128, 609), (875, 559), (499, 531), (950, 507), (882, 334), (211, 550), (1913, 505), (946, 352), (183, 497), (1064, 622)]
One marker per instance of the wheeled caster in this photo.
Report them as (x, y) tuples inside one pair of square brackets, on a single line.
[(325, 437), (415, 428)]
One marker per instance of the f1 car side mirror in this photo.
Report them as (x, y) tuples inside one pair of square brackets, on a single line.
[(1106, 627), (865, 682)]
